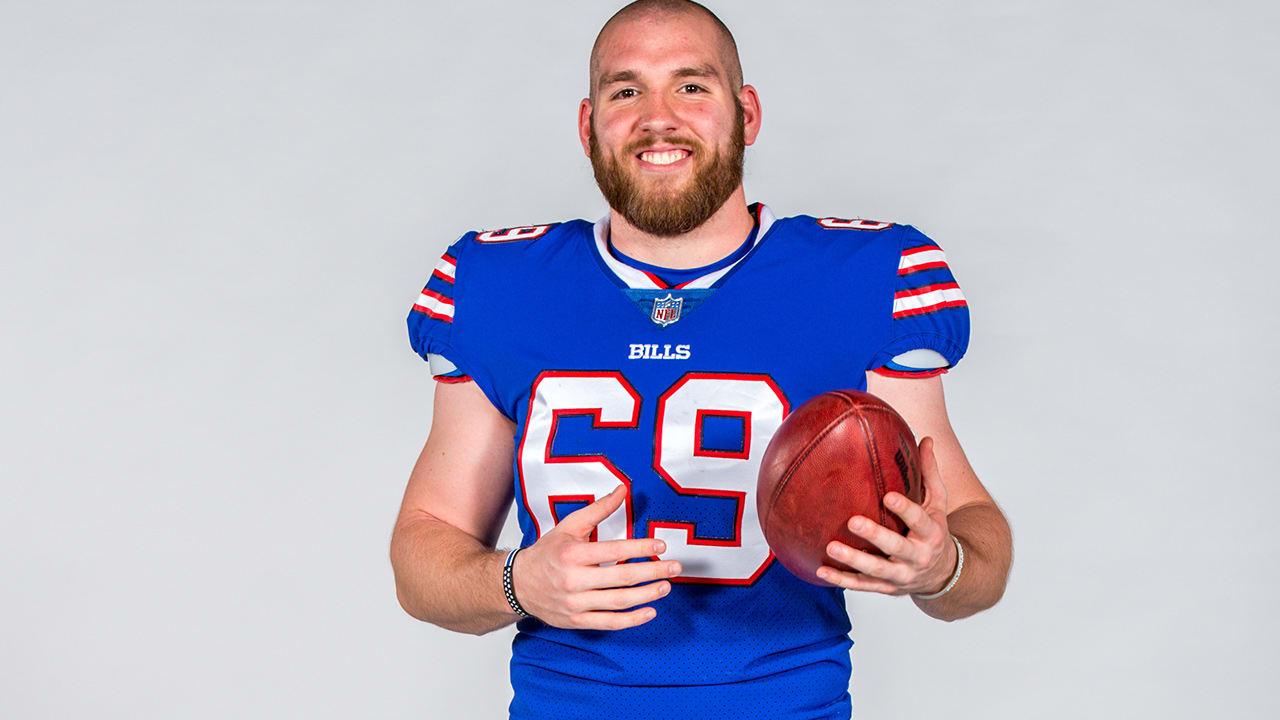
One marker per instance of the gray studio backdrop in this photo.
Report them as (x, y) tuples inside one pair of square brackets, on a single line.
[(216, 214)]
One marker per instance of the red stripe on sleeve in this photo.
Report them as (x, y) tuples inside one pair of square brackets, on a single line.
[(430, 314), (922, 248), (902, 374), (922, 266), (929, 308), (437, 296), (926, 289)]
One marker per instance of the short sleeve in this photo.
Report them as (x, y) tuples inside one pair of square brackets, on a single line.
[(929, 323), (431, 320)]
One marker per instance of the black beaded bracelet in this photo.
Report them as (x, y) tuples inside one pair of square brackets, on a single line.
[(509, 588)]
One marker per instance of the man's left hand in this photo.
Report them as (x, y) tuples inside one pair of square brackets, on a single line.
[(921, 562)]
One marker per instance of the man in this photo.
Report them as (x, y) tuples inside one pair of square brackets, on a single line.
[(621, 381)]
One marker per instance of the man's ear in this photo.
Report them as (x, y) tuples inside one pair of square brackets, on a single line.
[(751, 114), (584, 125)]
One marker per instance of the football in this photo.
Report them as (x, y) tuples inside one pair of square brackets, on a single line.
[(832, 458)]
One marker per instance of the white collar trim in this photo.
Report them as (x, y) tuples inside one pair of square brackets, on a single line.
[(638, 279)]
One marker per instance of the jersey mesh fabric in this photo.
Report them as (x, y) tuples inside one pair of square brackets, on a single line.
[(811, 692)]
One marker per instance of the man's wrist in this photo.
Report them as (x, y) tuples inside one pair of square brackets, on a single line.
[(508, 584), (955, 575)]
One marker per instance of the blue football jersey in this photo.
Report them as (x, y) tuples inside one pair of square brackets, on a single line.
[(672, 384)]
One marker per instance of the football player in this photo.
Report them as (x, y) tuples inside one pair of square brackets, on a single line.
[(620, 380)]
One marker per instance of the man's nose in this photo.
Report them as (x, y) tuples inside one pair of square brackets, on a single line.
[(657, 115)]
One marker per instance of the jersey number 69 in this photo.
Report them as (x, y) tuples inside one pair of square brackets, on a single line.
[(678, 458)]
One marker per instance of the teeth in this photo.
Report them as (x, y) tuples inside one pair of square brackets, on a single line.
[(664, 158)]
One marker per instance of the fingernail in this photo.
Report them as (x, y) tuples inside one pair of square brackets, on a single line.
[(659, 547), (674, 568), (857, 523), (665, 589)]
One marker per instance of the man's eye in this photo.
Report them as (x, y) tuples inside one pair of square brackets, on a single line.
[(625, 93), (691, 88)]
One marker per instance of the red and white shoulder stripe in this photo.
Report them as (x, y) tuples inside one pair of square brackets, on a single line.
[(927, 299), (446, 269), (924, 257), (435, 305)]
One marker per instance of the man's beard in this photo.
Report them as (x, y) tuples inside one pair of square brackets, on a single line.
[(666, 213)]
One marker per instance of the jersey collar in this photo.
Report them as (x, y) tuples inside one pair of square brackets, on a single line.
[(638, 279)]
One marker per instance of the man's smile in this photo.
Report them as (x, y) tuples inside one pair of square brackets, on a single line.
[(663, 158)]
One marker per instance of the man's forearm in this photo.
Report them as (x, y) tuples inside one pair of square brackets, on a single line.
[(448, 578), (988, 554)]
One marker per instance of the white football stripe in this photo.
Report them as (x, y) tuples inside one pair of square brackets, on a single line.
[(435, 305), (924, 300), (446, 267), (911, 260)]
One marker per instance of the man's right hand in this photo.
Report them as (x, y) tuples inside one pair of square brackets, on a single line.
[(560, 581)]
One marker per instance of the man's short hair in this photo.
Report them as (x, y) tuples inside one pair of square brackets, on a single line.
[(642, 8)]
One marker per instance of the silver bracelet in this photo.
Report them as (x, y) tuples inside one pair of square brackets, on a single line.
[(954, 578)]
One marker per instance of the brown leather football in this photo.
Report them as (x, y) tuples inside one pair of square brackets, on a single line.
[(834, 457)]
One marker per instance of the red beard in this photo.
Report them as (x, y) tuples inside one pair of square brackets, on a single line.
[(668, 214)]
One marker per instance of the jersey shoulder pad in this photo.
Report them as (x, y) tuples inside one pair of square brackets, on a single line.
[(431, 316), (514, 248), (929, 318), (845, 237), (465, 277)]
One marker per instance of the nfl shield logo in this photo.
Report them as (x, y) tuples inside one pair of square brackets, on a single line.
[(667, 310)]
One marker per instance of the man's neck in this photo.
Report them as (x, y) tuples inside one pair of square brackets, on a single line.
[(721, 234)]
